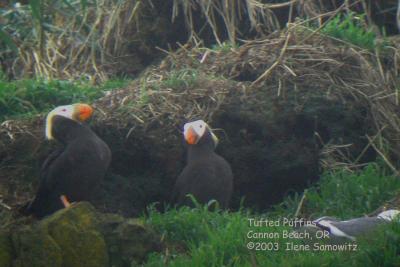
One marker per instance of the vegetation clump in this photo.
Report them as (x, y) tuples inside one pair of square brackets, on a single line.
[(345, 194), (30, 97), (349, 28)]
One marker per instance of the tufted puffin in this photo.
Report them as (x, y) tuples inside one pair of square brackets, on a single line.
[(71, 172), (206, 175)]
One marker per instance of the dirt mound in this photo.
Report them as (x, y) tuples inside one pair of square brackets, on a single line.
[(288, 107)]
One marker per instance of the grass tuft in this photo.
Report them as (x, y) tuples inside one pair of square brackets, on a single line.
[(351, 28), (181, 78), (345, 194), (29, 97), (225, 47)]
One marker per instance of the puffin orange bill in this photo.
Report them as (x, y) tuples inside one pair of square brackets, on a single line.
[(191, 136), (84, 111)]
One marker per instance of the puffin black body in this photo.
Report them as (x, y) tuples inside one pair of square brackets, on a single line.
[(206, 176), (72, 171)]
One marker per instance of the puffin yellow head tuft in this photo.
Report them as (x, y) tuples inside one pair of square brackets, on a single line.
[(194, 131), (78, 112)]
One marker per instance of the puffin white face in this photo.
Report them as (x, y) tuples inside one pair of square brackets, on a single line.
[(194, 131), (77, 112)]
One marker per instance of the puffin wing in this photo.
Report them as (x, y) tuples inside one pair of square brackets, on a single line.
[(187, 183), (203, 181), (42, 190), (179, 186), (46, 199), (50, 158)]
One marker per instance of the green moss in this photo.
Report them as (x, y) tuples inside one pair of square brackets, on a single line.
[(6, 251), (74, 230), (82, 215), (80, 247), (128, 241), (68, 238), (79, 236), (35, 248), (137, 239)]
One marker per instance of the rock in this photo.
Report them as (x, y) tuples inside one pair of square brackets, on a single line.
[(78, 236), (128, 241), (67, 238), (34, 247), (75, 231)]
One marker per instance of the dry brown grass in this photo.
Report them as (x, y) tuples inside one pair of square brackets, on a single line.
[(91, 43), (111, 37)]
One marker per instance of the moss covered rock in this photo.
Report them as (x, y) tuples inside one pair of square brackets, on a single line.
[(75, 232), (34, 247), (128, 240), (6, 253), (78, 236)]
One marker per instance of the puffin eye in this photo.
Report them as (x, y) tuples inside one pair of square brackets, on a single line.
[(201, 126), (64, 109)]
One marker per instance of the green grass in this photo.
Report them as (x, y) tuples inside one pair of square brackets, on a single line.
[(188, 78), (211, 238), (181, 78), (225, 47), (344, 194), (382, 250), (350, 29), (220, 238), (198, 237), (28, 97)]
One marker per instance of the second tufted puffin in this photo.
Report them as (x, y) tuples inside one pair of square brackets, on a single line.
[(72, 172), (206, 176)]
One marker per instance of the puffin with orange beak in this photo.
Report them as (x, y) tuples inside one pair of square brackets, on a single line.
[(207, 176), (72, 172)]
